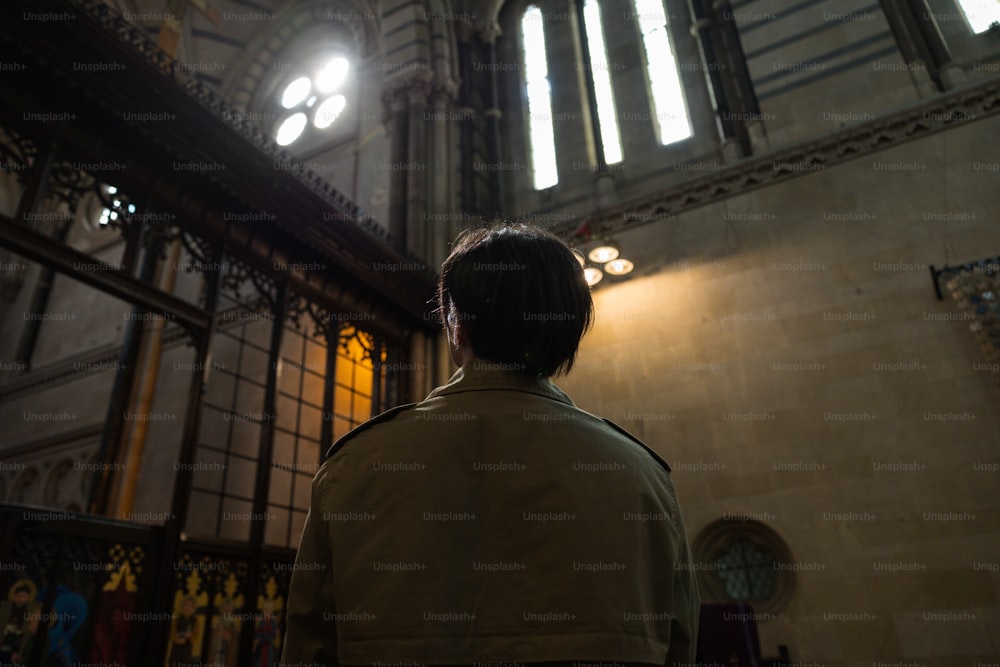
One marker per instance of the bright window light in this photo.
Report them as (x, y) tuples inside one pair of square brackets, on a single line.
[(290, 129), (601, 76), (981, 14), (314, 97), (295, 92), (331, 76), (670, 108), (327, 112), (540, 130)]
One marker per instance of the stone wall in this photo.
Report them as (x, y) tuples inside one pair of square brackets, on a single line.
[(792, 363)]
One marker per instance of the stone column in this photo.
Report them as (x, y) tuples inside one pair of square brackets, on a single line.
[(950, 74), (489, 34), (739, 74), (404, 102), (626, 59), (397, 127), (909, 47), (573, 126), (701, 29), (416, 167)]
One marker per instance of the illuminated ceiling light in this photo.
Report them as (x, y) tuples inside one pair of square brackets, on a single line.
[(592, 275), (290, 129), (332, 75), (327, 112), (619, 267), (605, 252), (295, 92), (579, 257), (112, 189)]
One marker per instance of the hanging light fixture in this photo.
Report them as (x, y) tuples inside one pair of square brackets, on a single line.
[(606, 251), (593, 275), (619, 267)]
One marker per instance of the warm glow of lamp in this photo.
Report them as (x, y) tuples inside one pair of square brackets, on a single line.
[(592, 275), (579, 257), (603, 253), (619, 267)]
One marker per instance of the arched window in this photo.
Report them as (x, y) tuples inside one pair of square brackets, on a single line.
[(590, 27), (540, 131), (600, 74), (312, 99), (670, 110), (981, 14)]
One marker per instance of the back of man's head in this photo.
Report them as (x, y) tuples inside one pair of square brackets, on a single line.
[(520, 295)]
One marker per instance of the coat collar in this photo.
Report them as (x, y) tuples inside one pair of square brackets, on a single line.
[(482, 375)]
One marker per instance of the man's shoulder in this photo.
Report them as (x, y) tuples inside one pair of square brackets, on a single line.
[(386, 416), (639, 442)]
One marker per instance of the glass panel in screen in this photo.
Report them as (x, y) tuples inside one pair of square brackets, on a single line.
[(232, 416), (300, 382), (58, 366), (352, 394)]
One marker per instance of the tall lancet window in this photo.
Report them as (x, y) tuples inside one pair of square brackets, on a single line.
[(669, 107), (601, 76), (540, 130), (981, 14)]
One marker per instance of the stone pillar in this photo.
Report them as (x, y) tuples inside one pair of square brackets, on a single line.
[(397, 127), (573, 127), (909, 48), (416, 168), (949, 73), (701, 29), (626, 58), (405, 104), (489, 34), (739, 75)]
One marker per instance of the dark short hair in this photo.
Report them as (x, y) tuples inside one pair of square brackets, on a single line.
[(520, 294)]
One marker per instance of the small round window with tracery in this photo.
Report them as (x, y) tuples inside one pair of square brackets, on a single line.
[(743, 560), (315, 99)]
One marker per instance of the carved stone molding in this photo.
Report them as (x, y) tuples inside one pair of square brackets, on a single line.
[(56, 476)]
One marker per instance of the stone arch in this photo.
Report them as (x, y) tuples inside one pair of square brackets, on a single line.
[(296, 28), (26, 487), (62, 484)]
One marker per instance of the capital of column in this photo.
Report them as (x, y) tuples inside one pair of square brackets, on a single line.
[(465, 30), (489, 32), (419, 88), (698, 26), (399, 93)]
